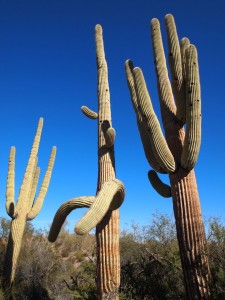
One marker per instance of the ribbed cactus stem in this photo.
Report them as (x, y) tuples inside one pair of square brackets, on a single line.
[(192, 140), (183, 146), (110, 136), (10, 186), (24, 206), (163, 189), (37, 205), (158, 143), (175, 61), (109, 197), (64, 210), (89, 113)]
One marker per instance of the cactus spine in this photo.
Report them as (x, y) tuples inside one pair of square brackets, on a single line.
[(26, 208), (177, 153), (103, 210)]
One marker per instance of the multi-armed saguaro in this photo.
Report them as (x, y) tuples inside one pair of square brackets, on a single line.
[(178, 152), (26, 208), (103, 211)]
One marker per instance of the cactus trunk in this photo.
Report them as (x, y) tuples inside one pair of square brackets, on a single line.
[(107, 231), (13, 248), (190, 234)]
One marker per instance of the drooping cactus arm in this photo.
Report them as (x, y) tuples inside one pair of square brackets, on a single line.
[(89, 113), (165, 92), (163, 189), (64, 210), (10, 186), (44, 187), (110, 197), (28, 176), (175, 62), (158, 142), (192, 139)]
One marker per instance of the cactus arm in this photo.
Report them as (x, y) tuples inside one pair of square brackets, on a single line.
[(64, 211), (150, 156), (158, 142), (110, 197), (164, 87), (34, 187), (10, 186), (110, 136), (175, 62), (163, 189), (28, 176), (184, 45), (89, 113), (129, 67), (44, 187), (192, 139)]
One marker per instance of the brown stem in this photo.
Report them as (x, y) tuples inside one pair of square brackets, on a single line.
[(190, 234)]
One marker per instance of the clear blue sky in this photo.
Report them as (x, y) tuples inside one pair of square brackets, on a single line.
[(48, 69)]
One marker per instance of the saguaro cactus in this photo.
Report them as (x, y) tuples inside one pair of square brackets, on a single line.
[(103, 212), (26, 208), (177, 152)]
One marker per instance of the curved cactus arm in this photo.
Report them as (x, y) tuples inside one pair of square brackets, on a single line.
[(10, 186), (164, 86), (34, 187), (149, 153), (150, 156), (64, 210), (110, 197), (44, 187), (150, 121), (110, 136), (129, 67), (89, 113), (28, 176), (163, 189), (175, 61), (192, 139)]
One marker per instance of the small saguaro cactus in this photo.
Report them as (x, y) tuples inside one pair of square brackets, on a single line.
[(27, 207), (177, 152), (103, 212)]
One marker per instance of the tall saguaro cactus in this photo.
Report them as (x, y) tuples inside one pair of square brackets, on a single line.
[(103, 213), (26, 208), (177, 152)]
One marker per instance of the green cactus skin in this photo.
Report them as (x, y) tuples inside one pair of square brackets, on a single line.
[(184, 145), (103, 210), (163, 189), (26, 207)]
